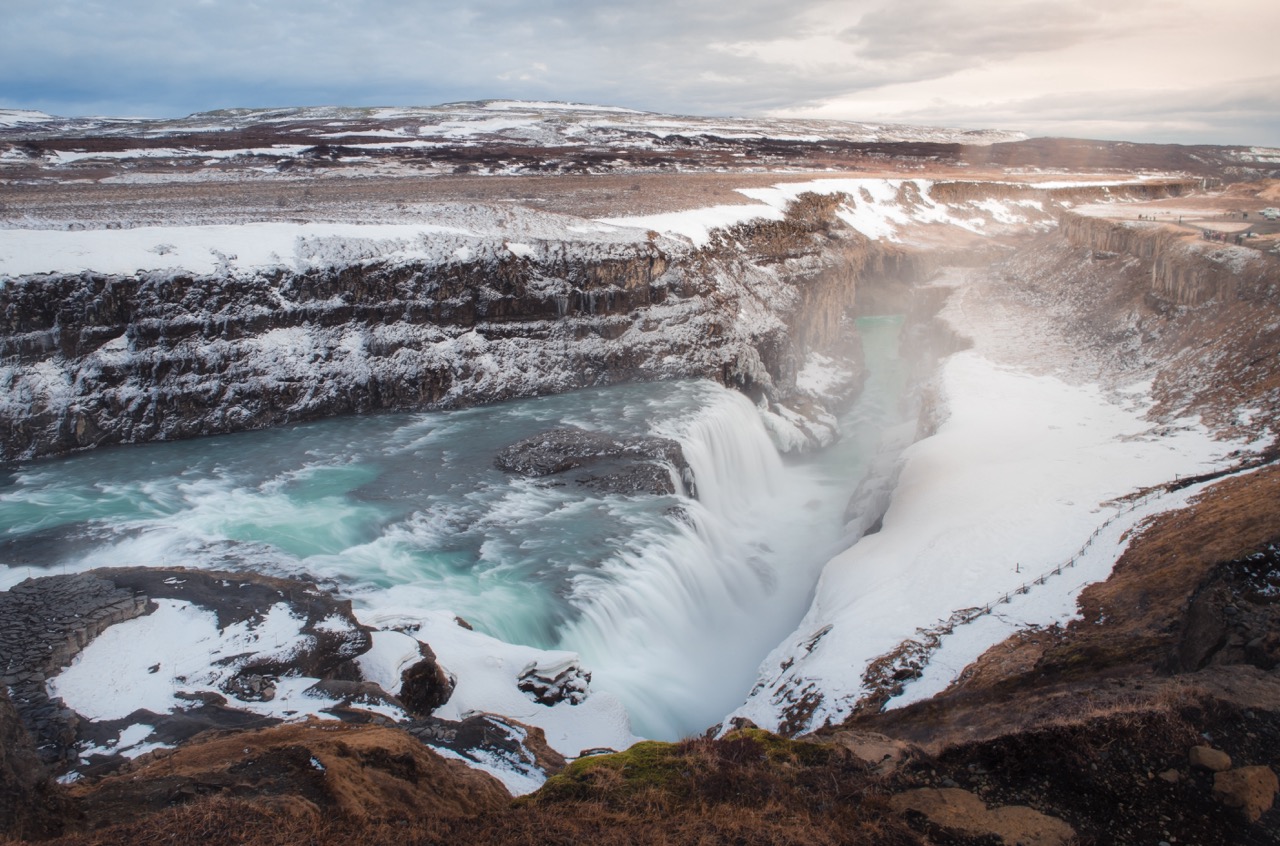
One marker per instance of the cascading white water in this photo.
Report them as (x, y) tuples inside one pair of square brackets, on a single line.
[(730, 452), (677, 626)]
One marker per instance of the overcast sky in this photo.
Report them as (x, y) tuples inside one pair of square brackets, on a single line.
[(1143, 70)]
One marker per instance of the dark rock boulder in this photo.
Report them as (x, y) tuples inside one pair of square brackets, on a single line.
[(425, 686), (482, 738), (636, 479), (356, 699), (962, 813), (1251, 790), (625, 464), (1208, 758), (555, 683)]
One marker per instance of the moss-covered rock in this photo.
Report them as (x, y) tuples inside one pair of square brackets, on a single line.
[(693, 769)]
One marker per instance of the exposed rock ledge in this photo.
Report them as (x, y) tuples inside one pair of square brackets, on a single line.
[(92, 359), (46, 622), (610, 464)]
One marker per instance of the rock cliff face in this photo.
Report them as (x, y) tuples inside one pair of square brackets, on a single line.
[(30, 803), (97, 359), (956, 191), (1184, 272), (1199, 318)]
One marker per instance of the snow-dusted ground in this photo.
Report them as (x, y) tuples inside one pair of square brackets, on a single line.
[(697, 224), (156, 662), (884, 209), (201, 249), (151, 662), (550, 123), (446, 232), (887, 209), (525, 137), (487, 672), (1026, 466), (186, 652), (1039, 606)]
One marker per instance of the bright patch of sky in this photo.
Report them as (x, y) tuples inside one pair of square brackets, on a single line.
[(1173, 70)]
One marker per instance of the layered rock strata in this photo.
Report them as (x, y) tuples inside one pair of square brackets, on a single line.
[(92, 359)]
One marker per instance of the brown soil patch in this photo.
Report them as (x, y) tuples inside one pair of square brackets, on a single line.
[(1118, 776), (747, 789), (1134, 626), (332, 769)]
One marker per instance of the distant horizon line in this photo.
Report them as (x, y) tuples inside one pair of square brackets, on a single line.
[(40, 115), (567, 104)]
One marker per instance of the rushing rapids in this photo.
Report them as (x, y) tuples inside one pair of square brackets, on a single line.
[(670, 600)]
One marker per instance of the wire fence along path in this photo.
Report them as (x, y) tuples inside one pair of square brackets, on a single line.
[(886, 676), (1070, 562)]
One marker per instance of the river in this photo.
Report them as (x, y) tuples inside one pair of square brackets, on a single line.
[(671, 602)]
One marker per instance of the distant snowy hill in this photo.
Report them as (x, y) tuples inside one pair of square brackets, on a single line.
[(570, 124), (21, 117)]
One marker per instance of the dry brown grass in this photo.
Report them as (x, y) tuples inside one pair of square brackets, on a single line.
[(752, 788), (301, 773), (1134, 616), (1115, 661), (377, 198)]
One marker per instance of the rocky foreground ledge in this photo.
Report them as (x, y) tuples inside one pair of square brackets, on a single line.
[(265, 678), (1106, 752)]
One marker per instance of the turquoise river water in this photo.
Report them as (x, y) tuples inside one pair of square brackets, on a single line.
[(671, 602)]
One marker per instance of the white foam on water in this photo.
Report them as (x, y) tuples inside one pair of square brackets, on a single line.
[(675, 625), (669, 601)]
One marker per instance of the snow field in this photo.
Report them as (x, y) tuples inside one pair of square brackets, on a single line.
[(883, 209), (878, 208), (204, 249), (183, 651), (1015, 480), (1038, 607)]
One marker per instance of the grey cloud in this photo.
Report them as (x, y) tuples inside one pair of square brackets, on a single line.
[(652, 55), (169, 57), (1245, 113), (972, 32)]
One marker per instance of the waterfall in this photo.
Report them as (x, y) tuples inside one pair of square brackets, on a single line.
[(733, 460), (676, 625)]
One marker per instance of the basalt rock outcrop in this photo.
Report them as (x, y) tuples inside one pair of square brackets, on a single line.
[(1183, 271), (91, 359), (44, 624), (600, 462), (31, 805)]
